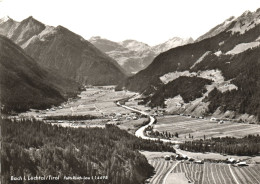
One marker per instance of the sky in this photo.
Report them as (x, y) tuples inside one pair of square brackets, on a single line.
[(148, 21)]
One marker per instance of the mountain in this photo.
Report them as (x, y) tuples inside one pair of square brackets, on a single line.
[(228, 58), (133, 55), (171, 43), (59, 49), (24, 84), (216, 30)]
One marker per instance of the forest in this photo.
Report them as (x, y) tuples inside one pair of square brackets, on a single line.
[(189, 88), (246, 146), (34, 148), (243, 71)]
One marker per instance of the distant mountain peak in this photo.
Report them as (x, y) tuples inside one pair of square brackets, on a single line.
[(98, 38), (32, 21), (95, 38), (172, 43), (134, 55), (62, 29), (134, 45), (5, 19), (246, 13), (30, 18)]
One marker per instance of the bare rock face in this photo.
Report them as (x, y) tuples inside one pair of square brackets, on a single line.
[(59, 49)]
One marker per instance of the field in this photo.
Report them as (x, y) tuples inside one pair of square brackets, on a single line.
[(95, 101), (162, 167), (200, 127), (207, 173), (132, 126)]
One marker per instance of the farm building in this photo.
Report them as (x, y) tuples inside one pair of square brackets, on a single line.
[(181, 157), (231, 160), (167, 157), (190, 159), (213, 119), (241, 164), (199, 162)]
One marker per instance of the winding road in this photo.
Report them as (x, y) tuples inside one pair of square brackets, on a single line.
[(140, 131)]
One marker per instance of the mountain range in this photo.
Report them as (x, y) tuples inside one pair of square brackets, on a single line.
[(133, 55), (216, 75), (227, 56), (59, 49)]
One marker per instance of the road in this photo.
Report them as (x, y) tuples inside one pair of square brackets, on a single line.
[(140, 131)]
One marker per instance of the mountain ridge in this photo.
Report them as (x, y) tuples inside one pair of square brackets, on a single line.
[(58, 48), (24, 84)]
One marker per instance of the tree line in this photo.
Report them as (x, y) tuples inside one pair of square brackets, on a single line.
[(247, 146)]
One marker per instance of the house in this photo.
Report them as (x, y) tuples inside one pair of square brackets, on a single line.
[(190, 159), (185, 157), (231, 160), (213, 119), (167, 157), (118, 115), (199, 162), (181, 157), (135, 118), (241, 164), (178, 157)]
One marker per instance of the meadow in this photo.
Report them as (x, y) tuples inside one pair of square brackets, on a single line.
[(198, 128)]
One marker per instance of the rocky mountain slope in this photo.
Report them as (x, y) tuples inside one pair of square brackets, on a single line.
[(228, 55), (132, 55), (57, 48), (24, 84), (171, 43)]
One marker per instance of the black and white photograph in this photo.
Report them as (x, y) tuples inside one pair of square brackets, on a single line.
[(129, 92)]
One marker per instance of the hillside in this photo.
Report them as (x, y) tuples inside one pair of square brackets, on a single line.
[(133, 55), (35, 148), (230, 58), (59, 49), (24, 84)]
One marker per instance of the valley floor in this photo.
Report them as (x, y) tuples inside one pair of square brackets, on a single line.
[(100, 102)]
